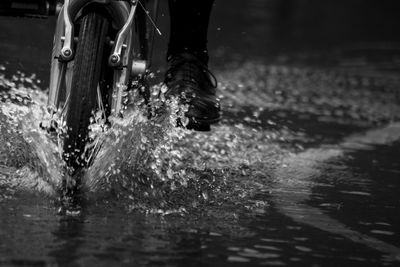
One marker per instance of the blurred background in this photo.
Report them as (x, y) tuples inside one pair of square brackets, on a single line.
[(325, 33)]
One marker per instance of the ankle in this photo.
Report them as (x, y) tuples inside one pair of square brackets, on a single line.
[(201, 56)]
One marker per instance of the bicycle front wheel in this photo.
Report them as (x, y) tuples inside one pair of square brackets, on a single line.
[(82, 98)]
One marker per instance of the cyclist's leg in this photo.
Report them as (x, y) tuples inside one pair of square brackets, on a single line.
[(188, 77), (189, 25)]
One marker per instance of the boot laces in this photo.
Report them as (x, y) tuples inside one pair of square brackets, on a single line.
[(187, 69)]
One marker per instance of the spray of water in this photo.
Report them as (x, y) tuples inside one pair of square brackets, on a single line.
[(149, 163), (157, 167)]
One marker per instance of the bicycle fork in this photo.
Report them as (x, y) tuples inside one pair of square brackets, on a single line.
[(121, 57)]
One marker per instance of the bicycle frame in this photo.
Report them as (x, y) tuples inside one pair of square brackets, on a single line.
[(121, 58)]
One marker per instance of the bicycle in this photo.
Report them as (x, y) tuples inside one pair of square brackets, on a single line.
[(84, 78), (101, 50)]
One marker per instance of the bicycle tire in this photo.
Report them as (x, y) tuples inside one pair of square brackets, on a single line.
[(83, 94)]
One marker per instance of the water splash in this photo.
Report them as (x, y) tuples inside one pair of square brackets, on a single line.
[(154, 166)]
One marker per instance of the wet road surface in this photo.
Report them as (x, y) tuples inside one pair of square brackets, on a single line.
[(302, 171)]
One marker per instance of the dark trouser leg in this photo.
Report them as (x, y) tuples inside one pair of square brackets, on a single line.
[(189, 26)]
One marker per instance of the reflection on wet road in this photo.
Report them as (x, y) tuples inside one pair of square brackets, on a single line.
[(302, 171), (295, 180)]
